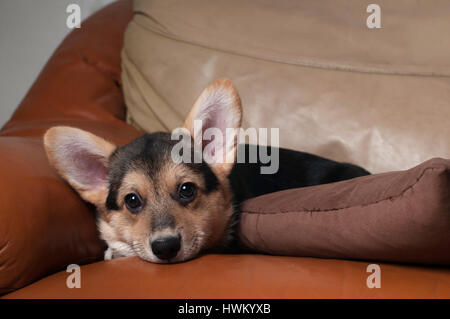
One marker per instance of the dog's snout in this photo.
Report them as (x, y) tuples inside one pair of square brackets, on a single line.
[(167, 247)]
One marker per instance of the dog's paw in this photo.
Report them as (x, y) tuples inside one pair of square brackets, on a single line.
[(109, 254)]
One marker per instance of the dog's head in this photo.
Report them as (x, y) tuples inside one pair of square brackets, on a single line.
[(150, 205)]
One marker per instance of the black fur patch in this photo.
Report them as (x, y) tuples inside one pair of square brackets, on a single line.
[(149, 153), (296, 169)]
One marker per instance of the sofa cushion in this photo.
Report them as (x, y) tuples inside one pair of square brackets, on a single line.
[(374, 97), (242, 276), (395, 217)]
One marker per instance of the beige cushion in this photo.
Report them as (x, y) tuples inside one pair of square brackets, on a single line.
[(379, 98)]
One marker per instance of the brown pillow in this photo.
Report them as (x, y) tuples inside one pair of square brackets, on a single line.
[(395, 217)]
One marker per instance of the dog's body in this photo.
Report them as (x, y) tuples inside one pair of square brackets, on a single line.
[(164, 211), (296, 169)]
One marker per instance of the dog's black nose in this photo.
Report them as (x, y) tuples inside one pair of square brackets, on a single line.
[(167, 247)]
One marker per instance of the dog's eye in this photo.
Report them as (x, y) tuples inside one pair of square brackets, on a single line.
[(187, 191), (133, 202)]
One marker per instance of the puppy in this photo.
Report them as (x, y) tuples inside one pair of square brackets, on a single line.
[(164, 210)]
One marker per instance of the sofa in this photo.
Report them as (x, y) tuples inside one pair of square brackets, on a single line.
[(45, 226)]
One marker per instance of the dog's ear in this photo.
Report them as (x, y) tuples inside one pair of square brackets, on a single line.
[(212, 123), (81, 158)]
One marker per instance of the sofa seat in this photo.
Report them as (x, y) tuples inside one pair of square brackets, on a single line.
[(242, 276)]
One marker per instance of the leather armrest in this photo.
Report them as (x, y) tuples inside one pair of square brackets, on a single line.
[(44, 225), (37, 215)]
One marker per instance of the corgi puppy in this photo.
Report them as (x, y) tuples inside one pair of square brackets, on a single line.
[(166, 211)]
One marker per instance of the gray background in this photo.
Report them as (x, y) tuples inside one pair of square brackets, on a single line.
[(30, 30)]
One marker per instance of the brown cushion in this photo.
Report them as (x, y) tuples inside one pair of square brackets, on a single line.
[(396, 217)]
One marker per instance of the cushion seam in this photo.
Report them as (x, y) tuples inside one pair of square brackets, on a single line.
[(253, 211), (259, 233), (304, 62)]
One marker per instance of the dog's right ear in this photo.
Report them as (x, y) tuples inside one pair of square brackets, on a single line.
[(81, 158), (218, 107)]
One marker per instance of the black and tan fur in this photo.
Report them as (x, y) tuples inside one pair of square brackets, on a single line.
[(104, 174)]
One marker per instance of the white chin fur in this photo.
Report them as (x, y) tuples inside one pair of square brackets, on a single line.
[(109, 254), (121, 249), (117, 248)]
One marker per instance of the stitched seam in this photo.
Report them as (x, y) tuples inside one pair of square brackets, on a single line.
[(127, 73), (305, 62), (259, 233), (303, 210), (95, 65), (133, 64)]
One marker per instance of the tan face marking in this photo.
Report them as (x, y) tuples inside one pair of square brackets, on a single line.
[(201, 224)]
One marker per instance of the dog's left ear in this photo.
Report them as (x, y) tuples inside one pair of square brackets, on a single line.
[(212, 123), (81, 158)]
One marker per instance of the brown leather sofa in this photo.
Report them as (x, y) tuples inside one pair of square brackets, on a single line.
[(45, 226)]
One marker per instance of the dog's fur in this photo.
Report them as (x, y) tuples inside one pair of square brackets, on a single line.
[(104, 174)]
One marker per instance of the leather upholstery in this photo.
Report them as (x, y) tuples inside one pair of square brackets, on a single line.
[(242, 276), (378, 98), (44, 226)]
